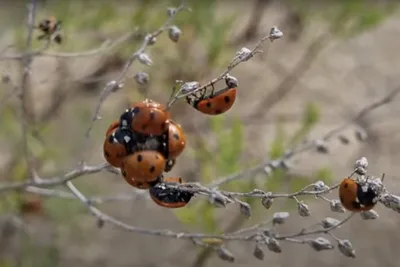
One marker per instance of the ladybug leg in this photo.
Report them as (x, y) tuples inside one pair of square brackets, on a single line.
[(212, 89)]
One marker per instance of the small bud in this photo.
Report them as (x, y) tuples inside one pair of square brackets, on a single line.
[(225, 254), (346, 248), (321, 147), (320, 186), (245, 209), (390, 201), (150, 39), (275, 33), (344, 140), (320, 243), (362, 162), (171, 11), (369, 215), (189, 87), (303, 209), (258, 253), (142, 78), (336, 206), (243, 54), (361, 135), (218, 200), (174, 33), (231, 81), (273, 245), (145, 59), (267, 202), (329, 222), (280, 217)]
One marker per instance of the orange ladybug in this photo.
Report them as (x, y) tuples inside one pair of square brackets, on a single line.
[(170, 197), (114, 125), (117, 145), (215, 103), (140, 185), (145, 166), (176, 140), (49, 27), (357, 197), (147, 117)]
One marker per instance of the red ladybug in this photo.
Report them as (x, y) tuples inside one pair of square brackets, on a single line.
[(49, 27), (146, 117), (133, 182), (215, 103), (117, 146), (114, 125), (176, 140), (170, 197), (144, 166), (357, 197)]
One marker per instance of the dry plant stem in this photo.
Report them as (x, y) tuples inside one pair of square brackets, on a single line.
[(114, 85), (182, 235), (26, 61), (104, 47)]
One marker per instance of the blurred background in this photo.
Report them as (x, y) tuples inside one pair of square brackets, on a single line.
[(335, 58)]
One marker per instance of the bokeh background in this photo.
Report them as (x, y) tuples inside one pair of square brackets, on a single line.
[(334, 59)]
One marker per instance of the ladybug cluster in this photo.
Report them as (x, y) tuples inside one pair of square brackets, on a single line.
[(145, 143)]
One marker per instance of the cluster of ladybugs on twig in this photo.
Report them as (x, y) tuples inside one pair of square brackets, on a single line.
[(145, 143)]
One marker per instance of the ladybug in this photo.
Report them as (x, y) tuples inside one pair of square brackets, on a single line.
[(176, 140), (140, 185), (215, 103), (170, 197), (147, 117), (144, 166), (117, 145), (114, 125), (355, 196), (49, 27)]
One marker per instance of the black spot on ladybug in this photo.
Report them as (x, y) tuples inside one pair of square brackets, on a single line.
[(106, 154), (139, 158), (227, 99), (152, 169), (152, 115), (209, 104), (346, 185), (176, 136)]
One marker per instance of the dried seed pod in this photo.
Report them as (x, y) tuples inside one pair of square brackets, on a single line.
[(267, 202), (245, 209), (320, 243), (142, 78), (280, 217), (346, 248), (369, 215), (174, 33), (336, 206), (329, 222), (273, 245), (258, 253), (225, 254), (303, 209), (145, 59)]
